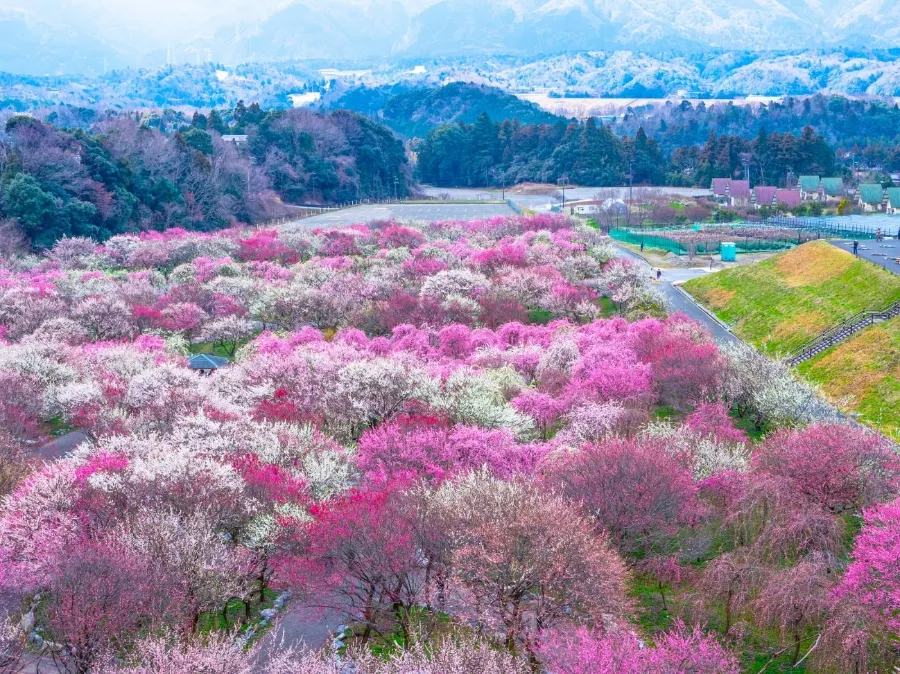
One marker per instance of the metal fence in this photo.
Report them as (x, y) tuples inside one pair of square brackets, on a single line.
[(755, 236), (831, 227), (714, 247), (822, 228)]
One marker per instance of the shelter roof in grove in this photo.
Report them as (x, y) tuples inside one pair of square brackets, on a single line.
[(202, 361)]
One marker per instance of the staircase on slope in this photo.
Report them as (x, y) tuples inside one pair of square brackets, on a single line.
[(841, 332)]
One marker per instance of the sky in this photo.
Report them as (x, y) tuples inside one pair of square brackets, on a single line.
[(146, 23), (138, 32)]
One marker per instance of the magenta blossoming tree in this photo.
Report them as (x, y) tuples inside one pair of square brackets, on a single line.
[(425, 428)]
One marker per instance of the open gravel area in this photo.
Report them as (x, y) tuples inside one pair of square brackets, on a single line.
[(427, 212)]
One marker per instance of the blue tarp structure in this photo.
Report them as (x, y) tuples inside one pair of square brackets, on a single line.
[(203, 361)]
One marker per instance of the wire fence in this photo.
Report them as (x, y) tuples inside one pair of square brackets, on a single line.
[(702, 247), (821, 227), (831, 227), (747, 237)]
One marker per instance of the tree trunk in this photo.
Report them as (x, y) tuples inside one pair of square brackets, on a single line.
[(262, 582), (728, 613)]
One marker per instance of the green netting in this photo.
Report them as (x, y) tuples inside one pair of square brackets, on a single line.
[(774, 234), (811, 228), (742, 245)]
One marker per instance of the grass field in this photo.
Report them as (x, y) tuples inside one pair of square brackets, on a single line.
[(862, 375), (783, 302)]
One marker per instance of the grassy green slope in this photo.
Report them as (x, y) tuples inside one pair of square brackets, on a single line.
[(780, 304), (862, 375)]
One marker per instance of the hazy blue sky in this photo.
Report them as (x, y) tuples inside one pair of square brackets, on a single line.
[(161, 20), (147, 20)]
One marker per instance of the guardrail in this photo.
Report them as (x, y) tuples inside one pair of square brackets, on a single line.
[(842, 331)]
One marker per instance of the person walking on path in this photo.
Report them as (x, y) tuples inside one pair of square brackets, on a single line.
[(856, 248), (659, 274)]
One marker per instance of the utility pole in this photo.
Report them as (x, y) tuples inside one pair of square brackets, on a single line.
[(562, 182), (630, 187), (396, 183), (745, 160), (497, 172)]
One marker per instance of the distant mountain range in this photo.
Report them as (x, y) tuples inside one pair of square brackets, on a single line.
[(43, 42), (344, 29), (420, 87), (691, 75)]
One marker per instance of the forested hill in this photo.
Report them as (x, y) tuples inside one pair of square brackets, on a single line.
[(414, 112), (123, 175), (844, 122), (590, 153)]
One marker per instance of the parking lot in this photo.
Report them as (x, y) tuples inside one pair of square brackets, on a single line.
[(883, 253), (428, 212)]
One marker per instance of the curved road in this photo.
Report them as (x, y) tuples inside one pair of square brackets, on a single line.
[(677, 299)]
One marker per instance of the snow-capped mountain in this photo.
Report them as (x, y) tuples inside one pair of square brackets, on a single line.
[(382, 30), (530, 27), (352, 29)]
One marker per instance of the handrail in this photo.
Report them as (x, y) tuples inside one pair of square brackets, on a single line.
[(843, 330)]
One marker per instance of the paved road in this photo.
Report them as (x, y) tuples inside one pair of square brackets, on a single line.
[(883, 253), (571, 192), (676, 298), (888, 224), (309, 627), (543, 202), (61, 446), (427, 212)]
